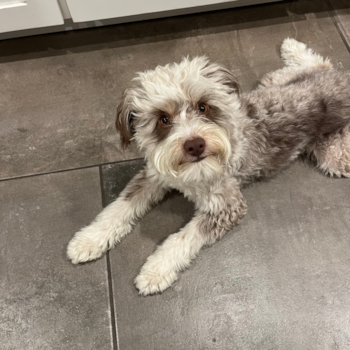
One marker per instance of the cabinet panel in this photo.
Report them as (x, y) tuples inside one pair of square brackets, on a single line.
[(20, 14), (92, 10)]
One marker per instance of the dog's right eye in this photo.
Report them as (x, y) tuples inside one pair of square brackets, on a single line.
[(164, 120), (203, 108)]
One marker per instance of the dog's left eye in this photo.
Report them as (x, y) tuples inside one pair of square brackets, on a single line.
[(203, 108), (164, 120)]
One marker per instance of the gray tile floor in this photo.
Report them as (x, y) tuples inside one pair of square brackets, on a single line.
[(280, 280)]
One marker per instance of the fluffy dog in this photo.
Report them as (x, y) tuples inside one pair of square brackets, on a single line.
[(201, 136)]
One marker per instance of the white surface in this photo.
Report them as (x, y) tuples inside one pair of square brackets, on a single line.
[(92, 10), (64, 9), (12, 3), (37, 13)]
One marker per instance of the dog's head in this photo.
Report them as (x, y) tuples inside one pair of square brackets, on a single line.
[(183, 117)]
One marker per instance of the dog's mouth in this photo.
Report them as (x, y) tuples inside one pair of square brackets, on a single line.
[(196, 160), (199, 159)]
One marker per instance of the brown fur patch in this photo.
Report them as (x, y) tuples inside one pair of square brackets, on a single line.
[(162, 131), (214, 114), (214, 226), (135, 186), (324, 65), (123, 121), (251, 111), (299, 78), (233, 207), (226, 78)]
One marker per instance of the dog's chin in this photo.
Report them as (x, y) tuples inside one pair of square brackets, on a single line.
[(200, 169)]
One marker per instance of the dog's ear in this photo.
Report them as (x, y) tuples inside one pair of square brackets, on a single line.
[(124, 122), (223, 76)]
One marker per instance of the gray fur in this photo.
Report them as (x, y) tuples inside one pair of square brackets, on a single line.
[(295, 110), (303, 108), (230, 210), (295, 117)]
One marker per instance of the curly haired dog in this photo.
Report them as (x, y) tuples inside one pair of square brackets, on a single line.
[(201, 136)]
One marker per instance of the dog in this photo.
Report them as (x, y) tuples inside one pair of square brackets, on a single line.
[(202, 136)]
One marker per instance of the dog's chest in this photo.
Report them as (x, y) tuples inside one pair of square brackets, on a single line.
[(194, 191)]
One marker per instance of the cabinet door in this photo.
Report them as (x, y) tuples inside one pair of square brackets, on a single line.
[(28, 14), (91, 10)]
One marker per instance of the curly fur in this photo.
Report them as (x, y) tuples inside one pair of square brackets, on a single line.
[(301, 108)]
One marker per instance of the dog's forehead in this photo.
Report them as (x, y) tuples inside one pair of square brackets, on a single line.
[(176, 71), (165, 80), (176, 84)]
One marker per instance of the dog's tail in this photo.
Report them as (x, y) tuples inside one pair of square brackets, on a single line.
[(296, 54)]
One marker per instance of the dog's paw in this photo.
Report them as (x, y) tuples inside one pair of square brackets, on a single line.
[(153, 280), (83, 247)]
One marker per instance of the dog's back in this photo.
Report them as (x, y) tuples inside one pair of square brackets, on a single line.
[(294, 117)]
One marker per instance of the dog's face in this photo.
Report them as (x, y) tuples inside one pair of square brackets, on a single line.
[(182, 117)]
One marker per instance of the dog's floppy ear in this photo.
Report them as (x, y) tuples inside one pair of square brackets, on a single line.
[(124, 122), (223, 76)]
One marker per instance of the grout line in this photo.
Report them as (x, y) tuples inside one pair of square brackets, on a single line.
[(114, 326), (114, 323), (69, 169), (103, 197), (340, 32), (336, 24)]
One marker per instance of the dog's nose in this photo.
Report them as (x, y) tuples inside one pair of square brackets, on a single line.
[(195, 147)]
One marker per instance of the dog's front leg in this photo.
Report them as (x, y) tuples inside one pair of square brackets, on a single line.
[(217, 213), (116, 220)]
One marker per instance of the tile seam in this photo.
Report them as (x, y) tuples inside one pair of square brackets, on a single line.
[(113, 316), (331, 13), (67, 170)]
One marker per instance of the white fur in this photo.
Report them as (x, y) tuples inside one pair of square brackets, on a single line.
[(108, 228), (235, 152), (175, 254), (296, 54), (113, 223), (169, 158), (333, 156)]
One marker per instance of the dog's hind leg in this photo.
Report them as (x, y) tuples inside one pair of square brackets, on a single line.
[(297, 54), (333, 155)]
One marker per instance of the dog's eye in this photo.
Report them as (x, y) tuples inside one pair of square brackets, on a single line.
[(203, 108), (164, 120)]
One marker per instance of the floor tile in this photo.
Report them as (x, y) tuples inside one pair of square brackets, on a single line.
[(277, 281), (341, 11), (59, 92), (116, 176), (45, 301)]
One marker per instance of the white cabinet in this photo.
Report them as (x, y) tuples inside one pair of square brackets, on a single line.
[(92, 10), (30, 17), (20, 14)]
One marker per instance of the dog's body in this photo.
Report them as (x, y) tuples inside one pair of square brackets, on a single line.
[(204, 139)]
